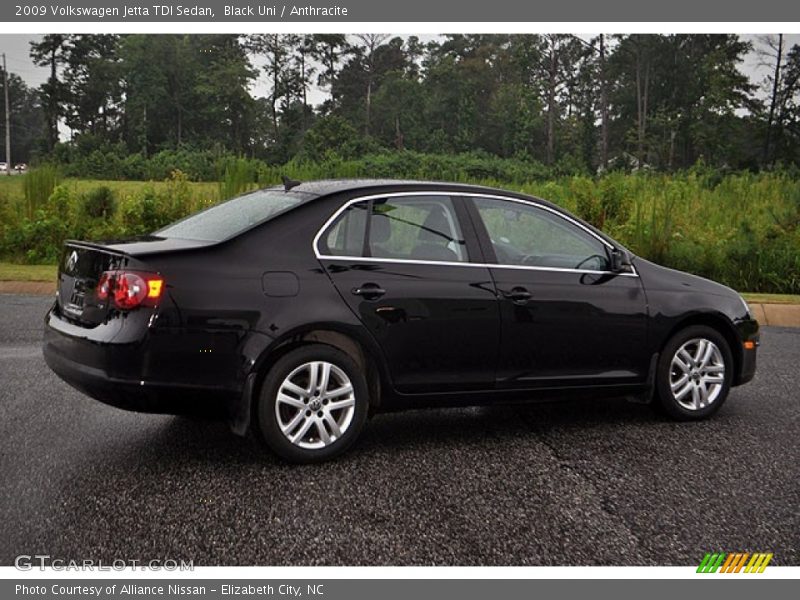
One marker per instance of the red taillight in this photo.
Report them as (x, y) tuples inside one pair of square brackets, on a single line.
[(129, 289)]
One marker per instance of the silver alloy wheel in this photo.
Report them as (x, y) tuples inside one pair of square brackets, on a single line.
[(315, 405), (697, 374)]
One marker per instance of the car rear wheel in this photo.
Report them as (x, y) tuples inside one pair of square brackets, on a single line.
[(313, 404), (694, 373)]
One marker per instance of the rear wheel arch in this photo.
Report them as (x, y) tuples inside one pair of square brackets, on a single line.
[(348, 344)]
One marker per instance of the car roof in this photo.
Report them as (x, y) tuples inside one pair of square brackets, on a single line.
[(326, 187)]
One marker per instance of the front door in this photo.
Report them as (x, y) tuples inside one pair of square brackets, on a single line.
[(566, 319), (402, 264)]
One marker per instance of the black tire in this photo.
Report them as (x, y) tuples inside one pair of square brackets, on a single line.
[(267, 419), (665, 398)]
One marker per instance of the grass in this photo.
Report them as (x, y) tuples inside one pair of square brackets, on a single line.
[(12, 187), (772, 298), (13, 272)]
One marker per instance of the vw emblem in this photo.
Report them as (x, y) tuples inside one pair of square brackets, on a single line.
[(72, 260)]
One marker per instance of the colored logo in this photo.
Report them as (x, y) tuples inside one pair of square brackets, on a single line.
[(734, 562)]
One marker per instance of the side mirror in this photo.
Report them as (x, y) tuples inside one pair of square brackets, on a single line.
[(619, 261)]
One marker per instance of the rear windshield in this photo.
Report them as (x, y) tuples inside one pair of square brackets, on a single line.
[(225, 220)]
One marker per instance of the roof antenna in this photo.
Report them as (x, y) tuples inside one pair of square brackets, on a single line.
[(288, 184)]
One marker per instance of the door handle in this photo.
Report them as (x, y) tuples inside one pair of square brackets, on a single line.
[(369, 291), (519, 295)]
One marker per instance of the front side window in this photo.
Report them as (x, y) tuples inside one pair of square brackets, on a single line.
[(423, 228), (525, 235)]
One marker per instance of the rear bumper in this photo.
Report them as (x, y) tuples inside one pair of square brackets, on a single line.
[(120, 375), (139, 396)]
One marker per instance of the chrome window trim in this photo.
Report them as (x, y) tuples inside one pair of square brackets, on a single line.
[(341, 209)]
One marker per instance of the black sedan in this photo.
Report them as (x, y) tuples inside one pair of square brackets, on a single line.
[(297, 311)]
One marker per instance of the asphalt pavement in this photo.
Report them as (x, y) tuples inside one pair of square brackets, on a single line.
[(582, 483)]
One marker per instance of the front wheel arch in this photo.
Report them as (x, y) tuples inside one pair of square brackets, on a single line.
[(694, 375), (721, 325)]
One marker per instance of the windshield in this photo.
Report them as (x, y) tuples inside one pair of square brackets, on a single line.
[(225, 220)]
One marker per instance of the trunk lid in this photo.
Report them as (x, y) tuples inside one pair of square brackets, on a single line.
[(79, 271), (83, 263)]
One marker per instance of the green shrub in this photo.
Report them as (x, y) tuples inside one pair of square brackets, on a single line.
[(58, 204), (36, 240), (176, 200), (99, 203), (238, 176), (37, 185), (614, 204), (330, 134)]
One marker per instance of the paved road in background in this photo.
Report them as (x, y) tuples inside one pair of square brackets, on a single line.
[(587, 482)]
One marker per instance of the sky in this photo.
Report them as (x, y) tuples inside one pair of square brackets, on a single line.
[(16, 48)]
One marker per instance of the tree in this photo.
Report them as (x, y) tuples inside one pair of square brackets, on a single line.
[(639, 63), (92, 83), (182, 89), (51, 51), (675, 97), (225, 106), (276, 48), (603, 75), (304, 49), (772, 51), (787, 144), (554, 44), (157, 78), (328, 49), (26, 118), (371, 42)]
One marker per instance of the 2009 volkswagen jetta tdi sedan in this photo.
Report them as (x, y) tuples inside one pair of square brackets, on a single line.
[(296, 311)]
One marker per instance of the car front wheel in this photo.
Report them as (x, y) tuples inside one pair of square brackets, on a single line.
[(313, 404), (694, 373)]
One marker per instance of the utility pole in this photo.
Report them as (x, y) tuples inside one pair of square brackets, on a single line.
[(8, 120)]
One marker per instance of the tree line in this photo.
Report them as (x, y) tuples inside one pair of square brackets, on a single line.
[(581, 105)]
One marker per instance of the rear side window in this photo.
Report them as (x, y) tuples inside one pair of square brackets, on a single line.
[(345, 236), (230, 218), (421, 228)]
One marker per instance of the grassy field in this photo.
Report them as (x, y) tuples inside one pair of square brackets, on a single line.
[(741, 229), (772, 298), (11, 188), (12, 272)]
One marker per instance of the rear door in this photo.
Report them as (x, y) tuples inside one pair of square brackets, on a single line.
[(566, 319), (408, 265)]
